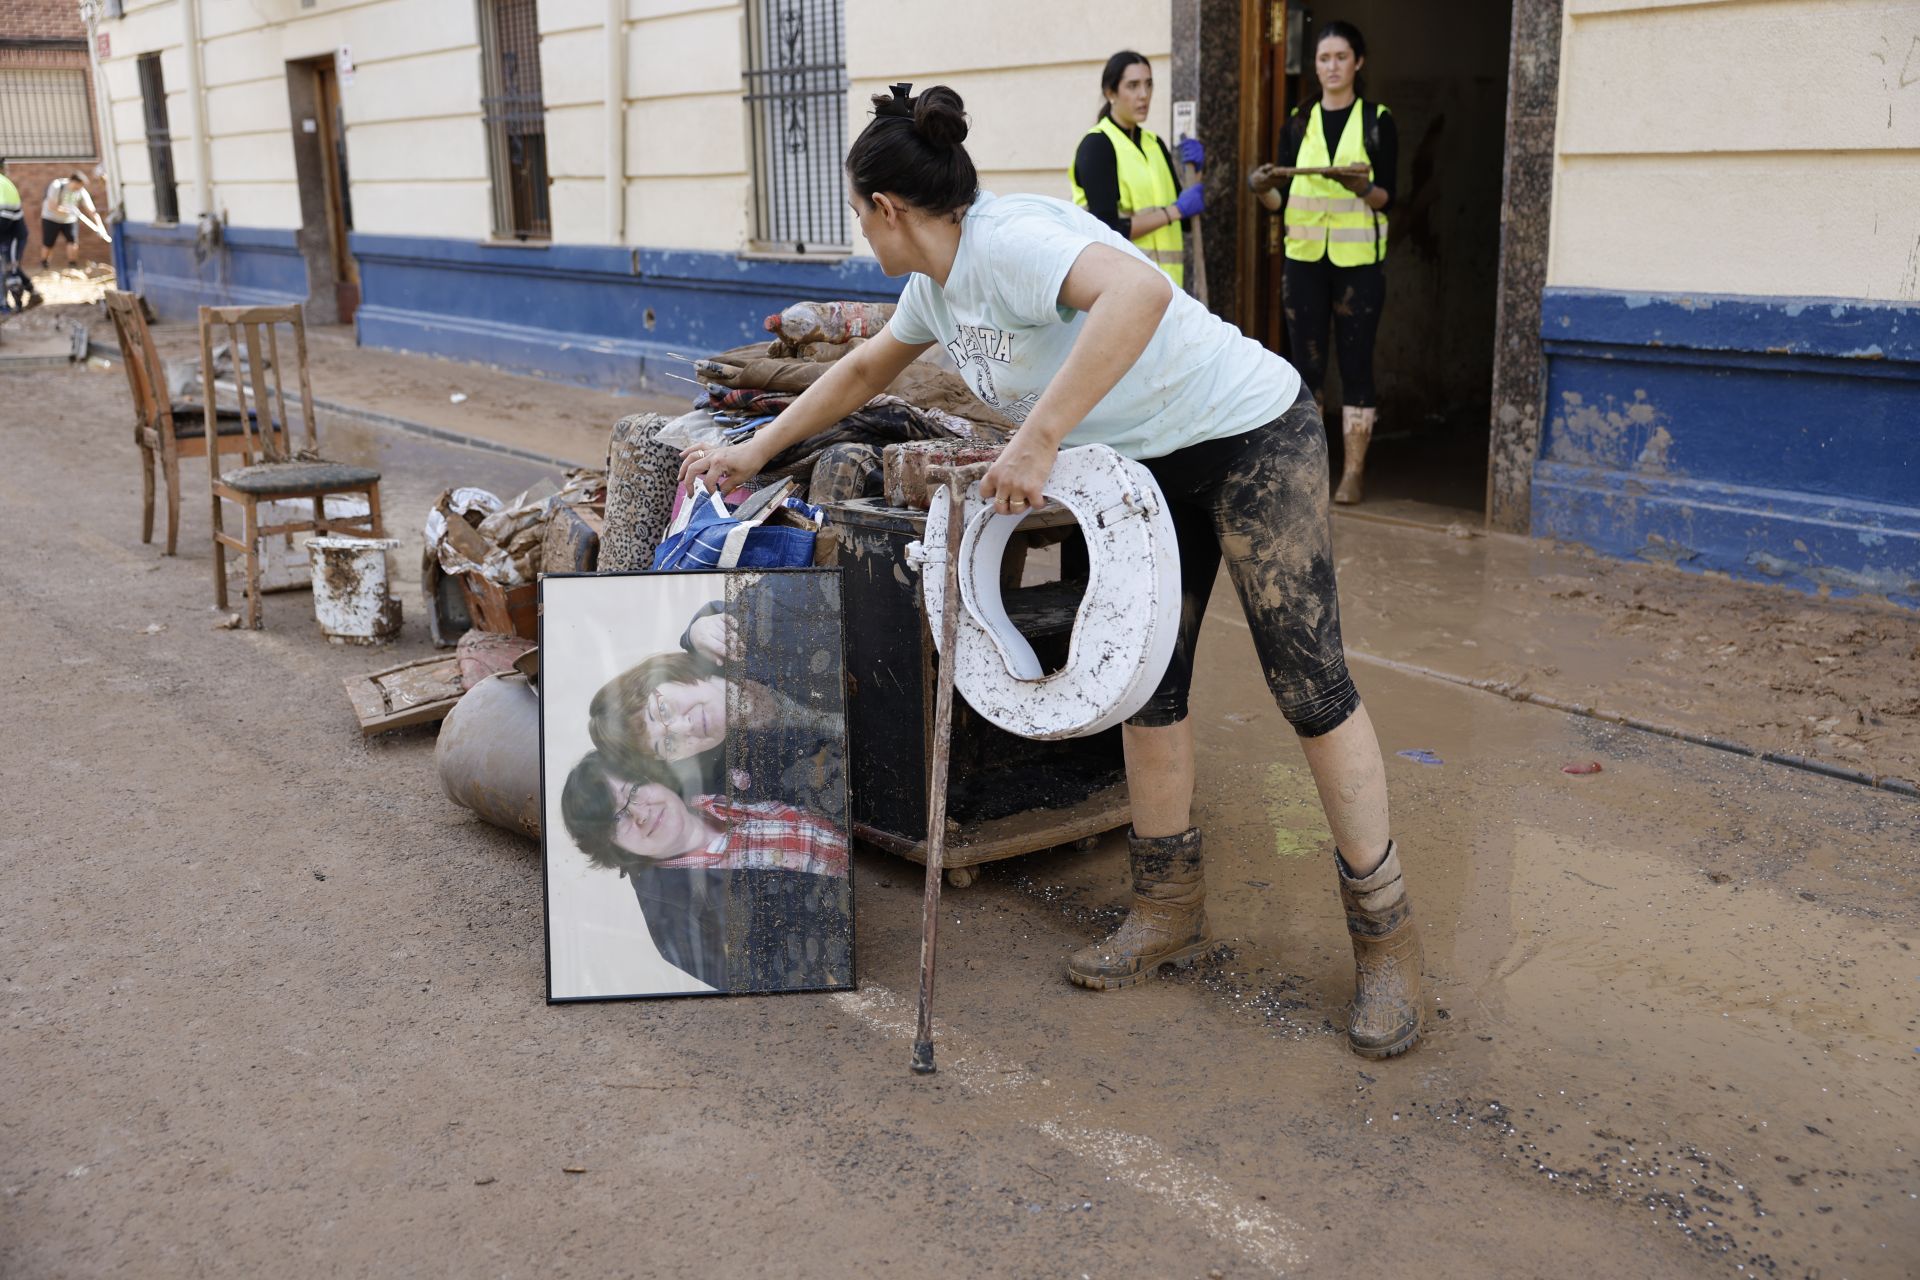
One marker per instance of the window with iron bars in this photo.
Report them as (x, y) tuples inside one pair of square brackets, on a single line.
[(516, 118), (153, 101), (46, 113), (796, 93)]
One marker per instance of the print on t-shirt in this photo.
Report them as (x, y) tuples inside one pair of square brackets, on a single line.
[(975, 350)]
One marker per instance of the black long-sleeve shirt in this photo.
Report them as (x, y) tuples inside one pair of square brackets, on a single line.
[(1097, 170), (1382, 142)]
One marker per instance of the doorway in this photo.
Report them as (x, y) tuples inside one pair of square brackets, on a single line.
[(326, 196), (1441, 70)]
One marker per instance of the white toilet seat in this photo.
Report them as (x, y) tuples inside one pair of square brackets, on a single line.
[(1127, 623)]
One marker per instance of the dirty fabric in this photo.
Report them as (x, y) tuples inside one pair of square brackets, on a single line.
[(1352, 299), (1260, 501), (843, 472), (641, 480), (878, 424), (746, 400)]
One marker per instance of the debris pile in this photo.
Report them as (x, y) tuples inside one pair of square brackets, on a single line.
[(927, 405), (484, 555)]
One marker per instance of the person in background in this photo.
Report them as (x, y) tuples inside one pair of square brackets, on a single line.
[(60, 217), (1336, 234), (19, 293), (1123, 173)]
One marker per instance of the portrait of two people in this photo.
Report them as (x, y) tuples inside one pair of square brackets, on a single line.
[(694, 754)]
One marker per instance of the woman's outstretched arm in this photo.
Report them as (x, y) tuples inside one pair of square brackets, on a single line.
[(854, 379)]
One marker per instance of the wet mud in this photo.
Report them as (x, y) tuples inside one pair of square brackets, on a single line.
[(293, 1022), (1831, 680)]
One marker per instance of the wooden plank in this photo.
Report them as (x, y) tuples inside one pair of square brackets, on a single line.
[(1016, 834), (417, 692)]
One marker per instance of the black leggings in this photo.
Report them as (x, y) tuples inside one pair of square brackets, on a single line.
[(1260, 499), (1352, 298)]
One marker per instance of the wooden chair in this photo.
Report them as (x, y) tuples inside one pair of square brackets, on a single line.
[(253, 337), (165, 430)]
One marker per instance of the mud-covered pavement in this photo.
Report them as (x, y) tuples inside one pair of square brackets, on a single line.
[(273, 1006)]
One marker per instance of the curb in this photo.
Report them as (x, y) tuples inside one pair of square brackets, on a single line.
[(441, 434)]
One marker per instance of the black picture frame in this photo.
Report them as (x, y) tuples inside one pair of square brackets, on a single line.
[(766, 904)]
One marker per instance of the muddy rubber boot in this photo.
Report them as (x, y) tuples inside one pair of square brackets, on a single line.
[(1386, 959), (1167, 923), (1356, 428)]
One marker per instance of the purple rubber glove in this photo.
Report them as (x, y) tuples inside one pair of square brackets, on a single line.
[(1191, 201), (1191, 152)]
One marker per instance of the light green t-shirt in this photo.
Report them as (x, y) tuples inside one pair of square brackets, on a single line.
[(1000, 318)]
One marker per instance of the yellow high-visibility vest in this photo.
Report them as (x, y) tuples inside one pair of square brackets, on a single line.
[(9, 195), (1324, 219), (1146, 182)]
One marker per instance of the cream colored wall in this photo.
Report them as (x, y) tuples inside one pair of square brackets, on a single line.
[(1029, 73), (416, 148), (687, 184), (1766, 147), (152, 27)]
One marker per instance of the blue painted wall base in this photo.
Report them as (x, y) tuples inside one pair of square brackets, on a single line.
[(1770, 439), (598, 316), (178, 275)]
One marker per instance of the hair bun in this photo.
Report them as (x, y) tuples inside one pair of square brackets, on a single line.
[(939, 117)]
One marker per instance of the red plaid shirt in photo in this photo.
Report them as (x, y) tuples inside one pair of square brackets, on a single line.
[(769, 836)]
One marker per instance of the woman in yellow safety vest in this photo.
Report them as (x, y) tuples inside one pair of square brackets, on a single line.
[(1123, 173), (1336, 234)]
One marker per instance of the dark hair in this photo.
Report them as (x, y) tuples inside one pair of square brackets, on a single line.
[(914, 148), (1116, 71), (620, 701), (590, 816), (1346, 31)]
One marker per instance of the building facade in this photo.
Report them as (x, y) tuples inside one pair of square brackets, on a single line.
[(1731, 324), (583, 189), (1673, 277), (48, 112)]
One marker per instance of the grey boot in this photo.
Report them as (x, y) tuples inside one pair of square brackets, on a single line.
[(1386, 959), (1167, 923)]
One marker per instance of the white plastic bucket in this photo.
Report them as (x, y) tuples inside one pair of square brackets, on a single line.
[(283, 557), (350, 597)]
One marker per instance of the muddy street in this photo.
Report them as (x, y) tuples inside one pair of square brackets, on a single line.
[(275, 1006)]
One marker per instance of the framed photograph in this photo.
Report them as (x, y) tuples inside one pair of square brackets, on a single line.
[(693, 784)]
